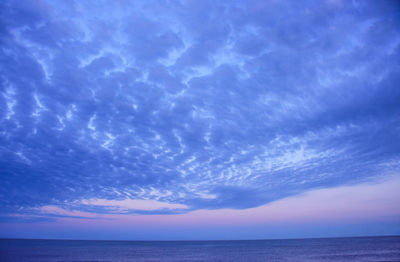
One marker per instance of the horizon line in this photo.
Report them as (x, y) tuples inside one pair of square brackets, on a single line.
[(199, 240)]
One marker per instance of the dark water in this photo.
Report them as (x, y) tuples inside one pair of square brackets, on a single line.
[(329, 249)]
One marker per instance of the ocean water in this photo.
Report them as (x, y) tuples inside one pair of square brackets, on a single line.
[(328, 249)]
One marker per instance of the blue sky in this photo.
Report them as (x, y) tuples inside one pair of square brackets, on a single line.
[(171, 107)]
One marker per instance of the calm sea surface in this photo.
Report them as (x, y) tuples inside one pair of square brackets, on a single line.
[(329, 249)]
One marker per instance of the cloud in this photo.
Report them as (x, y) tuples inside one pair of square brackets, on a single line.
[(95, 207), (124, 206), (60, 212), (207, 105)]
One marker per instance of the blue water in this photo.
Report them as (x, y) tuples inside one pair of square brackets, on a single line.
[(328, 249)]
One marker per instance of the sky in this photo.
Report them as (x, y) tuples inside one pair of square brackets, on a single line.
[(199, 119)]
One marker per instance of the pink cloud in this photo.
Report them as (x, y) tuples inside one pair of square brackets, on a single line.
[(135, 204)]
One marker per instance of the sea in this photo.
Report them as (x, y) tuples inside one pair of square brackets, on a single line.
[(322, 249)]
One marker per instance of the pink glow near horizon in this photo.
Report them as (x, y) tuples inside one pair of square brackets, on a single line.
[(362, 202)]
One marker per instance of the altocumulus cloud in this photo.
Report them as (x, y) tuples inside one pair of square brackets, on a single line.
[(173, 106)]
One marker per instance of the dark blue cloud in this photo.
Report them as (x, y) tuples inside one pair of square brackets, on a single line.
[(207, 104)]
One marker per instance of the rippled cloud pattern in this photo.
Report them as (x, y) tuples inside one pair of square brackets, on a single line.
[(188, 105)]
